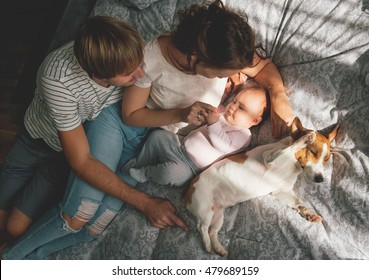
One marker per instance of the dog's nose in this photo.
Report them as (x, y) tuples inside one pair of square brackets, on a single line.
[(318, 178)]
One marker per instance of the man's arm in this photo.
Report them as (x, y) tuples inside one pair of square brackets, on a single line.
[(160, 213)]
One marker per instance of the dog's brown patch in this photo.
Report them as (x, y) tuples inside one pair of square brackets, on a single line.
[(320, 141), (239, 158), (188, 195), (313, 152)]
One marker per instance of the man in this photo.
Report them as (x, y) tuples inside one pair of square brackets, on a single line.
[(79, 86)]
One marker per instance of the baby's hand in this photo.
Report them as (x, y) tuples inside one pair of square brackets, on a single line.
[(213, 117)]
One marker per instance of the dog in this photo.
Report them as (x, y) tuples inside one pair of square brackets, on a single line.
[(267, 169)]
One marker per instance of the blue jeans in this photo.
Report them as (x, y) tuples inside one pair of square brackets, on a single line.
[(111, 142)]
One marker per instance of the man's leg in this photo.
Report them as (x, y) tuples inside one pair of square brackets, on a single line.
[(17, 171), (36, 176)]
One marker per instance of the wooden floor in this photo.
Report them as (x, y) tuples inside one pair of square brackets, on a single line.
[(26, 29)]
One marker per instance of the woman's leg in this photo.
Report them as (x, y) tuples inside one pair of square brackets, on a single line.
[(111, 142), (108, 209), (60, 244), (52, 232), (48, 232), (98, 214), (50, 227)]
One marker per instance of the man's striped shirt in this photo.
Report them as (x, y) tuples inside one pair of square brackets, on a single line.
[(65, 97)]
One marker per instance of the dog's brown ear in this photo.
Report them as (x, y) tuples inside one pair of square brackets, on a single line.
[(333, 133), (330, 132), (296, 129)]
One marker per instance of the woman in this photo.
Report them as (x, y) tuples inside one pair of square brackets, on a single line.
[(192, 63)]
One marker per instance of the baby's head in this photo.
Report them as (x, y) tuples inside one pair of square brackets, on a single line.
[(249, 107)]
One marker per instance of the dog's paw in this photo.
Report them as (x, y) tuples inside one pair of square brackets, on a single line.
[(220, 251), (308, 214), (208, 248)]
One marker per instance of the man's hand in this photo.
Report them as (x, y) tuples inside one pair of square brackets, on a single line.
[(161, 214)]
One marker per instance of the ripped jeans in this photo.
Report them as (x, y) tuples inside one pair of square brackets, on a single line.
[(112, 143)]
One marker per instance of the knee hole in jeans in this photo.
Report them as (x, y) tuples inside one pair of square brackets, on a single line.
[(101, 222), (86, 210)]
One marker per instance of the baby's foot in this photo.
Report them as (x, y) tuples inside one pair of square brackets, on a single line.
[(128, 165), (138, 174)]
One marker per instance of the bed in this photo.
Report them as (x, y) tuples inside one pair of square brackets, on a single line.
[(322, 51)]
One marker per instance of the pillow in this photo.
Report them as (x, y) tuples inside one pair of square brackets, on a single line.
[(139, 4), (150, 22)]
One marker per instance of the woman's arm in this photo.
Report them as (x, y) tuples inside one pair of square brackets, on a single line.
[(267, 74), (135, 112)]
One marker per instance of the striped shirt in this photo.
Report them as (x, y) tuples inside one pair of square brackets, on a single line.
[(65, 97)]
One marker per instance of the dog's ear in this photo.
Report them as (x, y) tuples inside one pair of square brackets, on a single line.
[(296, 129), (333, 133), (330, 132)]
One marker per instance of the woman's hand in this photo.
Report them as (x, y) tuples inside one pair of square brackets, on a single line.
[(197, 113)]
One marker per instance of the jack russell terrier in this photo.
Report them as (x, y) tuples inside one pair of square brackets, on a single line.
[(267, 169)]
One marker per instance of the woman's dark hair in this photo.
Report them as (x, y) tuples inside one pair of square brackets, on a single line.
[(219, 37)]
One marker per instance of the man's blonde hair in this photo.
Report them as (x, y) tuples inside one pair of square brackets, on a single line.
[(106, 47)]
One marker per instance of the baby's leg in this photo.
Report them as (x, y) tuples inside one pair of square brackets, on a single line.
[(168, 173), (152, 149), (162, 161)]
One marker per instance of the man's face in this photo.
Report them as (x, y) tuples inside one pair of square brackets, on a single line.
[(125, 80)]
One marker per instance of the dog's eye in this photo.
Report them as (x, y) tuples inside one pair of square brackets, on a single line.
[(313, 152)]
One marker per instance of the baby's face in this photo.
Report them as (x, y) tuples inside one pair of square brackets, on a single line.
[(246, 108)]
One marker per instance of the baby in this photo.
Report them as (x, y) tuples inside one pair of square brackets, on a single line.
[(169, 159)]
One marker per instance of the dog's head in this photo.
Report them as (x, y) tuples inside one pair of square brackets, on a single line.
[(312, 157)]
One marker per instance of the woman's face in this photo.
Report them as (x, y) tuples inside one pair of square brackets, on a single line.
[(210, 72)]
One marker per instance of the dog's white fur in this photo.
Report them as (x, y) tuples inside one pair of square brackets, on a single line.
[(268, 169)]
